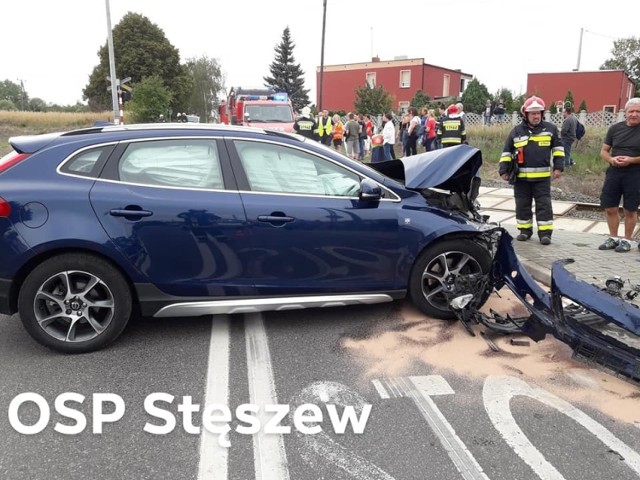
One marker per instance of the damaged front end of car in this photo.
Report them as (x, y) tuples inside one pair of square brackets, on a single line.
[(602, 326)]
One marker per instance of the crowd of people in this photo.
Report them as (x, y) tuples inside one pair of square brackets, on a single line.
[(359, 137), (534, 153)]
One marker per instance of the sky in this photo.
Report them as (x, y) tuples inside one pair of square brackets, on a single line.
[(52, 46)]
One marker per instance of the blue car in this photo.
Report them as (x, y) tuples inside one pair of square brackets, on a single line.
[(172, 220)]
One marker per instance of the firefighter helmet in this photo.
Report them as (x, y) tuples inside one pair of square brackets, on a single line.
[(452, 110), (532, 104)]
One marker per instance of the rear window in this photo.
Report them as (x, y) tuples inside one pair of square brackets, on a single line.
[(87, 163)]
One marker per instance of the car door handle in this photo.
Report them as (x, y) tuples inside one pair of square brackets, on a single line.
[(129, 213), (275, 219)]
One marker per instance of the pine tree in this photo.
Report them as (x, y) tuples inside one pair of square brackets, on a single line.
[(286, 75)]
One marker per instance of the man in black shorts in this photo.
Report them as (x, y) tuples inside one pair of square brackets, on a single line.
[(621, 150)]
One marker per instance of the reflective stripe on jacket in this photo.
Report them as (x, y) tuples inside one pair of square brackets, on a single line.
[(537, 151)]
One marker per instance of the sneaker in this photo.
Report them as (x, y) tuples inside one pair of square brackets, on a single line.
[(545, 240), (623, 246), (609, 244), (523, 237)]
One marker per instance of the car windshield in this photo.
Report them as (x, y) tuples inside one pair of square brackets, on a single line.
[(270, 113)]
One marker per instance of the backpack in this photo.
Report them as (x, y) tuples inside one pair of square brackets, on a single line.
[(580, 130)]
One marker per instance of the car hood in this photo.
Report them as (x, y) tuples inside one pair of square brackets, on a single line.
[(452, 169)]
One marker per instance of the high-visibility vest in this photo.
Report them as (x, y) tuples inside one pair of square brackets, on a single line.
[(322, 129), (338, 131)]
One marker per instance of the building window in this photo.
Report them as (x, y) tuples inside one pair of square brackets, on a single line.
[(371, 79), (609, 108), (405, 78), (403, 106), (446, 80)]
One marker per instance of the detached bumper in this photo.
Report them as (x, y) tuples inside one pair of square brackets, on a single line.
[(600, 327)]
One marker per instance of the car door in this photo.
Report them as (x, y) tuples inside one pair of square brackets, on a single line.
[(310, 231), (171, 207)]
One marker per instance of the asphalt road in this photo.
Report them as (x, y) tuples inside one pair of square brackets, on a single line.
[(440, 403)]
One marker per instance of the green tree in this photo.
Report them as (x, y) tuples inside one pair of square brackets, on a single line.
[(625, 56), (7, 105), (150, 100), (374, 101), (37, 105), (287, 75), (475, 96), (141, 50), (568, 100), (507, 96), (208, 82), (518, 102), (583, 106), (14, 93), (420, 100)]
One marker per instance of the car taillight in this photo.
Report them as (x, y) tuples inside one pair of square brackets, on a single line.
[(10, 159), (5, 208)]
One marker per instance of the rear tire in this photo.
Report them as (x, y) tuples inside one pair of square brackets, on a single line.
[(436, 267), (75, 303)]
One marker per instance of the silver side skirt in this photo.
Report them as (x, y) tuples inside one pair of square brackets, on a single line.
[(194, 309)]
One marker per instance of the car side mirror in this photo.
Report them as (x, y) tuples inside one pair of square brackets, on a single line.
[(369, 190)]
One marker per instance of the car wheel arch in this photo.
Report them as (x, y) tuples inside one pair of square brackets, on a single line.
[(38, 259), (473, 239)]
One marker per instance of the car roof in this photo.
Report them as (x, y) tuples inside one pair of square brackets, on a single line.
[(34, 143)]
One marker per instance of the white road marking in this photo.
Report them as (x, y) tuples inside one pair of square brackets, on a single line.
[(497, 393), (327, 457), (269, 456), (213, 457), (420, 389), (380, 389), (392, 384)]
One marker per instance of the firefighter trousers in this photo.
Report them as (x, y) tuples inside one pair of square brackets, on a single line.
[(524, 193)]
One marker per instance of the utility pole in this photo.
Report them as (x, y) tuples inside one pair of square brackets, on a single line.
[(324, 22), (21, 94), (579, 50), (112, 70)]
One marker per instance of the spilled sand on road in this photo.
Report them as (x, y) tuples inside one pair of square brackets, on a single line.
[(446, 346)]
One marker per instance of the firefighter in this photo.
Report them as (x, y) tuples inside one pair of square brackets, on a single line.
[(324, 128), (451, 130), (306, 125), (535, 147)]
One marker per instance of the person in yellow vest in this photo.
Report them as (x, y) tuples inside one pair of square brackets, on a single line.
[(324, 128), (337, 131)]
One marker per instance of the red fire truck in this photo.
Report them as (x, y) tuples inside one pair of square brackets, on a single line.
[(257, 107)]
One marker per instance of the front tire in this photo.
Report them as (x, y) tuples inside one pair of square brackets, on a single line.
[(432, 278), (75, 303)]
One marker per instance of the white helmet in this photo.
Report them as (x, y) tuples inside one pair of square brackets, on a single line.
[(533, 104)]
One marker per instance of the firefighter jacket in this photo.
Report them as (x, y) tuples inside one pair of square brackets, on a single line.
[(451, 131), (306, 127), (532, 150), (324, 126)]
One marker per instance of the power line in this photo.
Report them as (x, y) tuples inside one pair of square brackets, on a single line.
[(602, 35)]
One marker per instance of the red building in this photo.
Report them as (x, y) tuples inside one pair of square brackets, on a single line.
[(606, 90), (402, 78)]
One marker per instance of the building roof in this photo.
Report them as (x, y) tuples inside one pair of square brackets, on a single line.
[(376, 63)]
